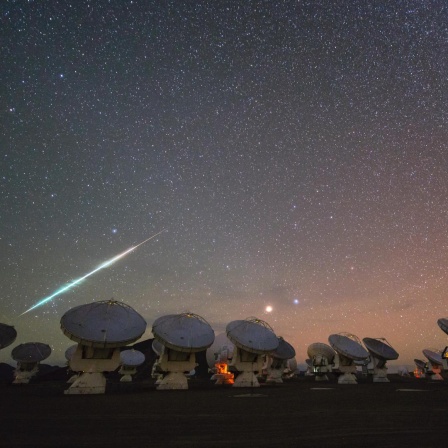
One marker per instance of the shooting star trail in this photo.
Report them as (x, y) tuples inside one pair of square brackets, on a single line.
[(101, 266)]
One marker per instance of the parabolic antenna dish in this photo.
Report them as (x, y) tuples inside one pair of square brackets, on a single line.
[(157, 346), (132, 357), (380, 349), (104, 324), (433, 356), (31, 352), (420, 364), (348, 345), (8, 335), (220, 351), (284, 350), (320, 349), (443, 324), (184, 332), (252, 335), (292, 364), (70, 351)]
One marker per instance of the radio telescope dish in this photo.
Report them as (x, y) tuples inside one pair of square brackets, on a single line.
[(291, 367), (348, 345), (444, 356), (130, 360), (104, 324), (31, 352), (321, 359), (220, 351), (70, 351), (252, 338), (28, 357), (380, 349), (420, 364), (182, 335), (420, 368), (284, 350), (435, 364), (348, 349), (100, 329), (156, 372), (380, 352), (8, 335), (320, 349), (443, 324), (276, 361), (185, 332), (252, 335), (433, 356)]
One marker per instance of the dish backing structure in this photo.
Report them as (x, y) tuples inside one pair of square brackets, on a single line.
[(130, 360), (100, 329), (435, 364), (421, 368), (276, 362), (321, 358), (252, 338), (8, 335), (156, 372), (380, 352), (28, 357), (181, 337), (348, 349), (443, 324)]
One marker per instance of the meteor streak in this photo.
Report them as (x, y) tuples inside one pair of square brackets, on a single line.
[(101, 266)]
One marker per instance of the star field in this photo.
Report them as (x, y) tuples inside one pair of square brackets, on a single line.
[(296, 153)]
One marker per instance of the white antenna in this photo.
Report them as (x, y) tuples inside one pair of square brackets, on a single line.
[(181, 335), (100, 329), (443, 324), (156, 371), (348, 349), (130, 360), (28, 357), (380, 352), (421, 368), (8, 335), (435, 364), (321, 360), (276, 362), (252, 338)]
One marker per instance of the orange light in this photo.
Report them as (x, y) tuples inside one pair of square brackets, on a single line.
[(418, 373), (222, 375)]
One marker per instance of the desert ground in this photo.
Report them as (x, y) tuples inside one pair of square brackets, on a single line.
[(300, 412)]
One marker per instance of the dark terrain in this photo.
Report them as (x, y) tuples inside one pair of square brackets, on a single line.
[(299, 412)]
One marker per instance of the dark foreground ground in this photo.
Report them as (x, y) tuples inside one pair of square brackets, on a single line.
[(405, 412)]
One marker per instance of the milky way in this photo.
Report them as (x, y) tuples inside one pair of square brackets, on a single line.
[(297, 152)]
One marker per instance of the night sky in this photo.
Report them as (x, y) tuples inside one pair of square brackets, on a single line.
[(295, 152)]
